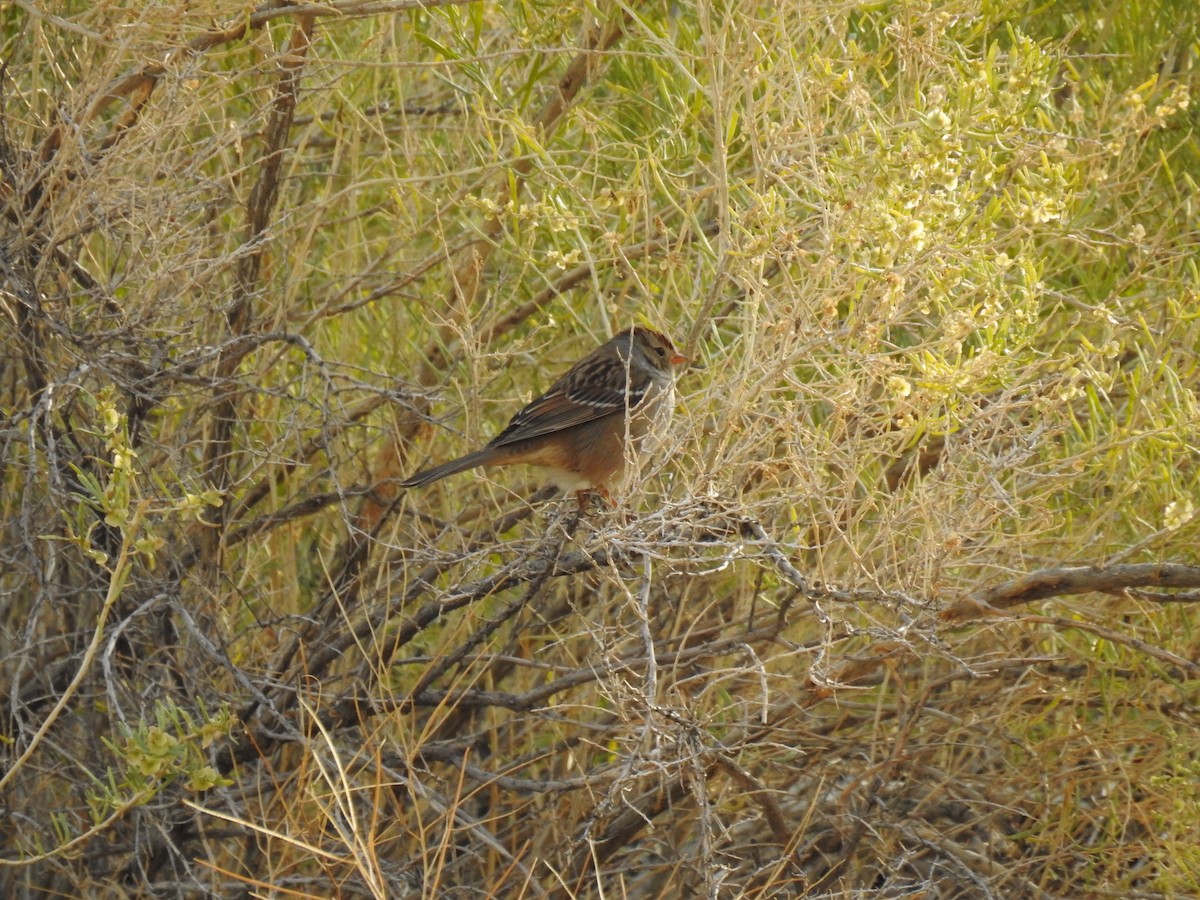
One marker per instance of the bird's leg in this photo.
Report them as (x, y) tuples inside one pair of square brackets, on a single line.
[(599, 490)]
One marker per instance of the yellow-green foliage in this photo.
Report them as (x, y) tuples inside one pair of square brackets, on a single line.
[(935, 264)]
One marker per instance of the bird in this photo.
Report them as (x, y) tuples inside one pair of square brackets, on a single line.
[(582, 429)]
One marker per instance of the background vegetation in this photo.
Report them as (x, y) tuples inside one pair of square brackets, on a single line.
[(907, 608)]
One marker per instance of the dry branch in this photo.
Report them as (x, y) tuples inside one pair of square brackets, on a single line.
[(1066, 581)]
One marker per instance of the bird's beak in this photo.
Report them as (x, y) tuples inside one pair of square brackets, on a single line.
[(678, 360)]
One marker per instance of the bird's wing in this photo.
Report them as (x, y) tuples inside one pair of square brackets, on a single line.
[(593, 389)]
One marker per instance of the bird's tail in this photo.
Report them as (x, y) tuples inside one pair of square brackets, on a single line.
[(470, 461)]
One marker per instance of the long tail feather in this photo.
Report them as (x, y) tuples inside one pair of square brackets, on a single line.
[(470, 461)]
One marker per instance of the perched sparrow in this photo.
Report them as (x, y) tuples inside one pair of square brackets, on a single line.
[(577, 430)]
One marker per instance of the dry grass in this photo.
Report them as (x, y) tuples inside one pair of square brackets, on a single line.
[(903, 609)]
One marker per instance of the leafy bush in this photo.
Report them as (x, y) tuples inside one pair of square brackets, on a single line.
[(903, 607)]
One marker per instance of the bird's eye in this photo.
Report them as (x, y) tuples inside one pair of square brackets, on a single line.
[(660, 351)]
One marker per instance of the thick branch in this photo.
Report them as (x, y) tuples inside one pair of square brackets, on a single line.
[(1064, 581), (263, 198)]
